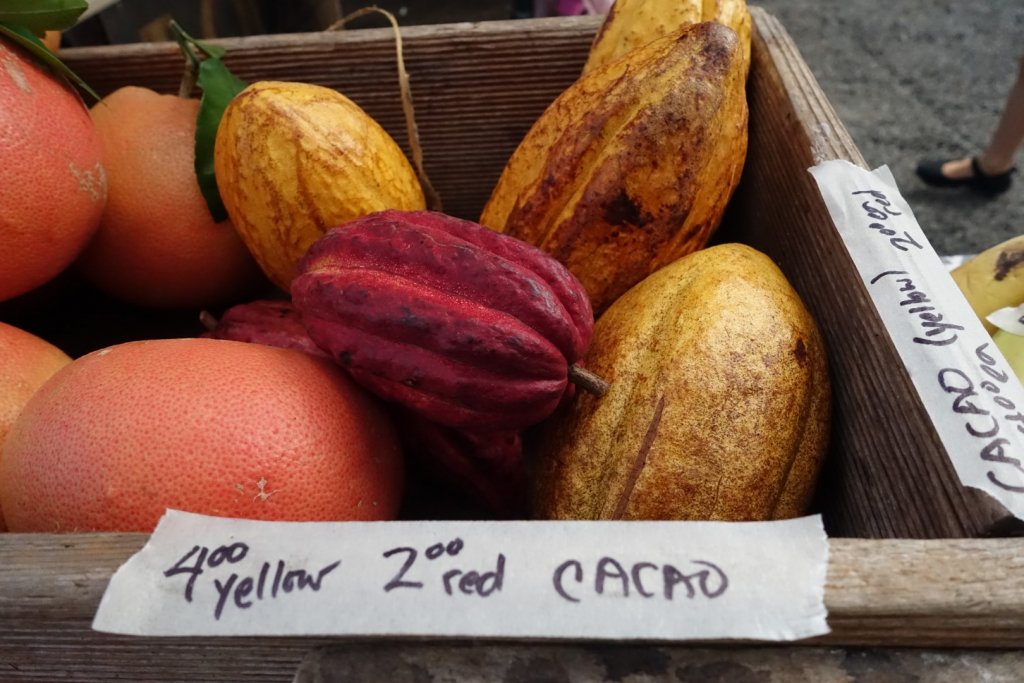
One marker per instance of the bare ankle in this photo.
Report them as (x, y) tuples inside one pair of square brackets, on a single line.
[(990, 165)]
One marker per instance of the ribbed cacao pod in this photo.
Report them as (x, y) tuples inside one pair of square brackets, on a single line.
[(718, 406), (630, 24), (633, 165), (469, 328), (273, 322), (293, 160)]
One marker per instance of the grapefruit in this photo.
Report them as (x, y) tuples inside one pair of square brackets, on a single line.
[(26, 362), (52, 181), (157, 244), (209, 426)]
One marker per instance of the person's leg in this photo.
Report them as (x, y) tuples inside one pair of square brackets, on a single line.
[(997, 158), (1009, 134)]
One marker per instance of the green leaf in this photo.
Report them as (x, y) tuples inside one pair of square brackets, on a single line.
[(219, 87), (39, 16), (26, 39)]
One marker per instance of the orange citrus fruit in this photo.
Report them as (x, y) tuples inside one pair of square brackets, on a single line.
[(157, 244), (26, 362), (204, 425), (52, 181)]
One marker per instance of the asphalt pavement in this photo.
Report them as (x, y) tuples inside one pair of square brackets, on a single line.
[(920, 78)]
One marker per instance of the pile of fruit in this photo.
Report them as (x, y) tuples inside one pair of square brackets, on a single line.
[(371, 347)]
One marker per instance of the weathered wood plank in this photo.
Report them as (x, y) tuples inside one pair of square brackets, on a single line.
[(522, 664), (939, 593)]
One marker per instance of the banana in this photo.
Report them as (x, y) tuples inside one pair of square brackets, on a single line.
[(993, 279), (633, 23)]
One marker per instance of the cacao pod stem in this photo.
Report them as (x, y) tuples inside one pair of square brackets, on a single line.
[(587, 381)]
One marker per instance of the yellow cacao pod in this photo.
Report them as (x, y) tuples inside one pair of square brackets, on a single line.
[(718, 405), (293, 160), (632, 166), (630, 24)]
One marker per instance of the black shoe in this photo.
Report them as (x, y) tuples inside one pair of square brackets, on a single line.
[(930, 171)]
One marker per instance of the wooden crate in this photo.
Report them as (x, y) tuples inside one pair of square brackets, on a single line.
[(906, 565)]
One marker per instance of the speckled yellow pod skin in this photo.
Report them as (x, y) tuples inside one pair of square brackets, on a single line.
[(718, 406), (630, 24), (294, 160), (633, 165)]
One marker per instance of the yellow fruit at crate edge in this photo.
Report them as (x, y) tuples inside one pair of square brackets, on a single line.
[(993, 279), (718, 405), (293, 160)]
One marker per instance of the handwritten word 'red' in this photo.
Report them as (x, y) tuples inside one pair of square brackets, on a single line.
[(937, 331), (643, 579), (982, 423), (467, 582), (879, 209), (266, 585)]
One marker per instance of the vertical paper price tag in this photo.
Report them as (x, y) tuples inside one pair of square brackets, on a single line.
[(202, 575), (970, 392)]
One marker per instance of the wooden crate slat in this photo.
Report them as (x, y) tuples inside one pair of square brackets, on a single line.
[(893, 593)]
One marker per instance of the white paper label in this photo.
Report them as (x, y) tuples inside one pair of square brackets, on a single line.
[(1010, 319), (201, 575), (972, 396)]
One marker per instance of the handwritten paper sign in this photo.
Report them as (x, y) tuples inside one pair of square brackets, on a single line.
[(201, 575), (973, 397)]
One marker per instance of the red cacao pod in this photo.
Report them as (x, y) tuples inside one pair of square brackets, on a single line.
[(468, 327), (272, 322)]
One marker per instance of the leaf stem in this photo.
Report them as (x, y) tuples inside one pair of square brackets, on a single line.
[(191, 74), (188, 46)]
